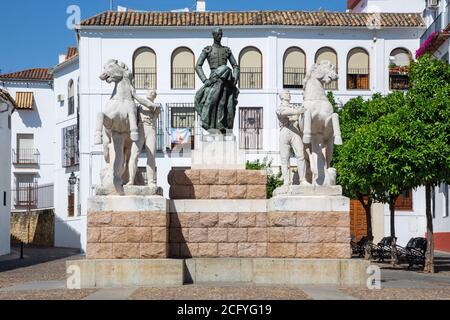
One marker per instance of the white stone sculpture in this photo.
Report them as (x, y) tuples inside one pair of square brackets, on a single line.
[(117, 126), (321, 130), (148, 117), (291, 139)]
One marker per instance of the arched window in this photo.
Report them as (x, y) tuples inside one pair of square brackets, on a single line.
[(144, 68), (358, 69), (71, 97), (250, 62), (183, 76), (399, 61), (294, 68), (328, 54)]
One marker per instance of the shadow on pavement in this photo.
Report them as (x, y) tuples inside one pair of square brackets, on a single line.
[(35, 255)]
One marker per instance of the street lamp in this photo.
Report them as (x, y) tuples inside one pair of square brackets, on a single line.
[(72, 180)]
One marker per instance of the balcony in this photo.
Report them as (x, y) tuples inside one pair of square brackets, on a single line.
[(293, 78), (436, 34), (398, 78), (251, 78), (26, 157), (32, 196), (183, 78), (145, 78)]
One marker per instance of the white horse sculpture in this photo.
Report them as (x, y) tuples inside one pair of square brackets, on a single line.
[(321, 128), (117, 125)]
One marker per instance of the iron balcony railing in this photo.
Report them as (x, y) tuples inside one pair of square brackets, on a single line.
[(145, 78), (26, 156), (436, 26), (33, 196), (293, 78), (183, 78), (251, 78)]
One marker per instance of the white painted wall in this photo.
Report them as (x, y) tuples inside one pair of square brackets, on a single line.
[(40, 121), (408, 224), (5, 177), (67, 229)]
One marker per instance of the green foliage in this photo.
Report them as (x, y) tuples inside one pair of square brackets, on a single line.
[(332, 100), (273, 179)]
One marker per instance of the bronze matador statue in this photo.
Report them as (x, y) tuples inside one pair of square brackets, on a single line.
[(216, 101)]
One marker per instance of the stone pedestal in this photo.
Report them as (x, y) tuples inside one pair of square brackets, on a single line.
[(218, 152), (127, 227), (218, 184)]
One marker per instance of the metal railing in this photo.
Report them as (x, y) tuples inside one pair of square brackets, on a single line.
[(293, 78), (436, 26), (358, 78), (32, 196), (183, 78), (145, 78), (181, 121), (250, 78), (26, 156), (398, 82), (251, 128)]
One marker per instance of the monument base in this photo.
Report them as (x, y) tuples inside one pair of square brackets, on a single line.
[(218, 184), (218, 152), (150, 190), (169, 272)]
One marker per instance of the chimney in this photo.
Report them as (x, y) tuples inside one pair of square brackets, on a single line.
[(201, 5), (61, 58)]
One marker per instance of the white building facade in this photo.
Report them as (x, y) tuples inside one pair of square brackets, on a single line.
[(66, 104), (7, 105), (32, 138)]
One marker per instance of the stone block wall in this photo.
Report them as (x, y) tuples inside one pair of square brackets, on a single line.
[(127, 235), (35, 228), (261, 234), (218, 184)]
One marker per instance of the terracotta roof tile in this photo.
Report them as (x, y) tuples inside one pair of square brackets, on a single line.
[(36, 74), (250, 18), (71, 52)]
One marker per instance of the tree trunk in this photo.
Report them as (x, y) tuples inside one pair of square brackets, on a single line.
[(367, 205), (394, 256), (429, 256)]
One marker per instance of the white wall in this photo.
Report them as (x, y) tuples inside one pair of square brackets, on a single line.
[(40, 121), (408, 224), (5, 177), (67, 229)]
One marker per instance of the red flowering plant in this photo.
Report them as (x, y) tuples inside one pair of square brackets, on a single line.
[(424, 47)]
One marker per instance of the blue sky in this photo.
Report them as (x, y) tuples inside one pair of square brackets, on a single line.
[(33, 33)]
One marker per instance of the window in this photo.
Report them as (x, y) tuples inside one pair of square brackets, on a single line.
[(330, 55), (250, 62), (294, 68), (71, 100), (358, 69), (144, 68), (404, 201), (70, 154), (26, 193), (183, 75), (182, 125), (251, 128), (400, 60), (25, 154)]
